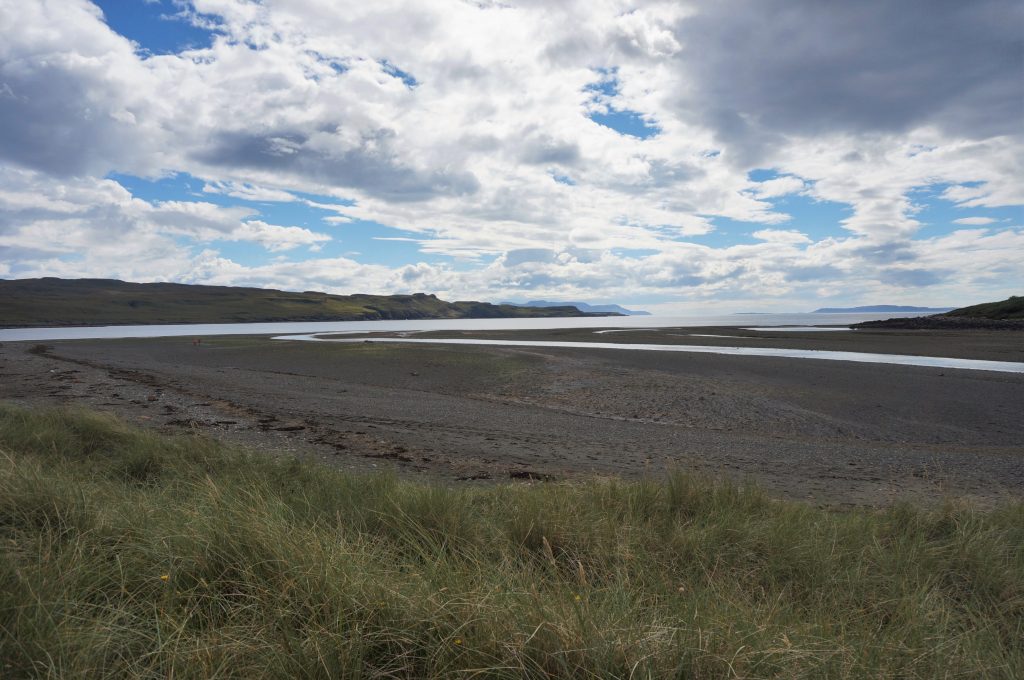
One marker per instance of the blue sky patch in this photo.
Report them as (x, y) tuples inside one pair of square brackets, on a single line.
[(729, 232), (607, 84), (938, 216), (817, 219), (624, 121), (373, 243), (158, 26), (366, 241), (762, 174), (392, 70)]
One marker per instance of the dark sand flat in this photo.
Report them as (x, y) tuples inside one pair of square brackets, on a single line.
[(833, 433), (959, 344)]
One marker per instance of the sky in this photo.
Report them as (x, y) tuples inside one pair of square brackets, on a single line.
[(680, 157)]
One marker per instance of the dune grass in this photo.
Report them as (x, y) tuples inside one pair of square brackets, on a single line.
[(129, 554)]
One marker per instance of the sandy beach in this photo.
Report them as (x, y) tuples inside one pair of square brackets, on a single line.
[(831, 433)]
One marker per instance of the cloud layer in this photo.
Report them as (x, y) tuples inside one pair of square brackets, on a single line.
[(473, 128)]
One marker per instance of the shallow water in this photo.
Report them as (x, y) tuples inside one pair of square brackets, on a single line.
[(709, 335), (624, 330), (800, 329), (827, 355), (624, 322)]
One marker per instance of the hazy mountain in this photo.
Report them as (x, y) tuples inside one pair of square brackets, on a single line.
[(583, 307), (872, 309)]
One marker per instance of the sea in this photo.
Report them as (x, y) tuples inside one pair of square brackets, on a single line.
[(760, 321)]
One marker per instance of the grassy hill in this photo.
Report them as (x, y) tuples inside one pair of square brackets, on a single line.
[(1010, 308), (84, 302), (1006, 315)]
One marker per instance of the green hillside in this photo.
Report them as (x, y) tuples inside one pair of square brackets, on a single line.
[(1007, 315), (80, 302), (1010, 308)]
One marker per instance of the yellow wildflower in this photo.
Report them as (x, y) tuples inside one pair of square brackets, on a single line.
[(165, 577)]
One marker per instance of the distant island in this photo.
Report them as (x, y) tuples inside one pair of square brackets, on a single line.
[(109, 302), (879, 309), (1006, 314), (583, 307)]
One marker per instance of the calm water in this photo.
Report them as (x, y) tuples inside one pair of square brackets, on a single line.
[(803, 329), (828, 355), (201, 330), (295, 330)]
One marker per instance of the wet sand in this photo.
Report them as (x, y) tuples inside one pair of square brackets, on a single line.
[(832, 433)]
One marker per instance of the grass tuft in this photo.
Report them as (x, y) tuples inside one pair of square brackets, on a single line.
[(129, 554)]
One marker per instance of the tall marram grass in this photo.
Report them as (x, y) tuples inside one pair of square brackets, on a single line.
[(127, 554)]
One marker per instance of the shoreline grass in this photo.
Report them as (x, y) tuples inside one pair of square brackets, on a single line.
[(129, 554)]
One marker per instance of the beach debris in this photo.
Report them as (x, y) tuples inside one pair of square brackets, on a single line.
[(529, 475)]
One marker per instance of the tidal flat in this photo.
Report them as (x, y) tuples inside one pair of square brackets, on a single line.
[(835, 434)]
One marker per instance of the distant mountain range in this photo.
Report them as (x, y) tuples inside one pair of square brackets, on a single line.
[(881, 309), (583, 307), (108, 302)]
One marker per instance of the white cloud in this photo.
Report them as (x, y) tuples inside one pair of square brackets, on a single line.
[(780, 186), (78, 99), (975, 221), (97, 228), (781, 236), (275, 238), (310, 97), (248, 192)]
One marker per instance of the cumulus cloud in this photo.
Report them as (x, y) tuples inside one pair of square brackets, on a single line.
[(974, 221), (468, 125), (95, 227), (780, 186), (781, 236), (74, 98), (248, 191), (277, 238), (806, 67)]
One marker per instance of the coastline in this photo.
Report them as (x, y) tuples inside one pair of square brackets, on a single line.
[(830, 433), (945, 323)]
